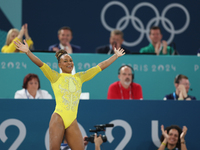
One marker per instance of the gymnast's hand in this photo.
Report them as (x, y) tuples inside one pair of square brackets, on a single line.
[(119, 52), (22, 47)]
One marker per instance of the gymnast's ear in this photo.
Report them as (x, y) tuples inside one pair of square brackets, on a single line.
[(59, 65)]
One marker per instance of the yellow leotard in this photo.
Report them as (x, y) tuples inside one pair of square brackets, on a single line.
[(67, 90)]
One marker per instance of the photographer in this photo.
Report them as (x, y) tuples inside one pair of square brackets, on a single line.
[(97, 141)]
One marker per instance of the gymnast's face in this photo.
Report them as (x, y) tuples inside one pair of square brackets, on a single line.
[(66, 63)]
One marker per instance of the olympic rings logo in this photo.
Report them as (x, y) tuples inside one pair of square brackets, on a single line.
[(124, 21)]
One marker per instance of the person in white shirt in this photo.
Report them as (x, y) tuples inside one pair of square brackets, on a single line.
[(31, 89)]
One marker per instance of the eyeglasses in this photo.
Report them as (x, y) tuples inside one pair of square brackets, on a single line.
[(186, 84)]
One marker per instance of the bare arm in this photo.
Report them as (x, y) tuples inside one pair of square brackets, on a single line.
[(24, 48), (118, 53), (164, 142), (182, 137), (98, 141)]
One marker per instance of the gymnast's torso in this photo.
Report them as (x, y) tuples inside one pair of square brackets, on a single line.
[(67, 90)]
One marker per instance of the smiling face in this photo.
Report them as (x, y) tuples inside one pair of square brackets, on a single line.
[(173, 137), (65, 36), (155, 35), (186, 84), (66, 63)]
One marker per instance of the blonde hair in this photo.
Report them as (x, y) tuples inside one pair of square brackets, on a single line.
[(9, 34), (117, 32)]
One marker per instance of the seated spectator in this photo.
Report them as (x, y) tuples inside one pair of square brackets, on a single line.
[(65, 37), (157, 46), (13, 35), (125, 88), (182, 85), (31, 89), (116, 40), (173, 138)]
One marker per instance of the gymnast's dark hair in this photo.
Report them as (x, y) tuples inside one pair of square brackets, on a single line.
[(60, 53)]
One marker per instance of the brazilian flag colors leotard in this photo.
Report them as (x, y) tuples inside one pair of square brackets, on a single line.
[(67, 90)]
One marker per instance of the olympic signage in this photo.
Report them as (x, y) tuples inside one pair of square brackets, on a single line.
[(121, 123), (24, 123), (139, 26)]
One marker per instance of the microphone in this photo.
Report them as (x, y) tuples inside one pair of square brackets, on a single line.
[(105, 125), (114, 44), (173, 44)]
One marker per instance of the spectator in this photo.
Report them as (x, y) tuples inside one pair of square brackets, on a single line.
[(13, 35), (157, 46), (31, 89), (173, 138), (116, 40), (182, 85), (65, 37), (125, 88)]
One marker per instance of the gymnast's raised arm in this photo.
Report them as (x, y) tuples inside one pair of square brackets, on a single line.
[(24, 48), (118, 53)]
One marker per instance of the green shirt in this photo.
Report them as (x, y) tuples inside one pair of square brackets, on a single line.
[(151, 49), (172, 149)]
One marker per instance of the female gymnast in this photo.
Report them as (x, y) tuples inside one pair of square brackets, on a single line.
[(67, 90)]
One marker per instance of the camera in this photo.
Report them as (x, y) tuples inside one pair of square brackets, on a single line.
[(99, 128)]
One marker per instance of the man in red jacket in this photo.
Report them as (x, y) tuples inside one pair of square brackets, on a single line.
[(125, 88)]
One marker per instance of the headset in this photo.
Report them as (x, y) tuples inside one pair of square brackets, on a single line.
[(133, 72), (177, 78)]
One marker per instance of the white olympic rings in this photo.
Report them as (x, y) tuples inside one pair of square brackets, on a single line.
[(124, 21)]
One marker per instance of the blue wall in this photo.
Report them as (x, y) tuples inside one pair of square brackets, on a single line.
[(180, 21), (136, 123)]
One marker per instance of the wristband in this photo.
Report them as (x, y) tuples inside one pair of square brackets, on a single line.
[(183, 142), (164, 144)]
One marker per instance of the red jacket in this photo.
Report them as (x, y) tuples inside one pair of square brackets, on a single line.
[(117, 91)]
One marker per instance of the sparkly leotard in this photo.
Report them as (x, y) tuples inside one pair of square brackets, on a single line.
[(67, 90)]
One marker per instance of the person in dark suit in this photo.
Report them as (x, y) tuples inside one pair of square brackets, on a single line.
[(65, 37), (116, 40)]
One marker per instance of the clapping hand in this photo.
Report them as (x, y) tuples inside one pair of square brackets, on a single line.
[(164, 43), (119, 52), (22, 47), (164, 132), (182, 136)]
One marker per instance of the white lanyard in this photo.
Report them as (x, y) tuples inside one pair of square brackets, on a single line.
[(122, 92)]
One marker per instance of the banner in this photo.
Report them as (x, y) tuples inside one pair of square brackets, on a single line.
[(24, 123), (155, 74)]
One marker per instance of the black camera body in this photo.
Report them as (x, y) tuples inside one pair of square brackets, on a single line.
[(91, 138), (99, 128)]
